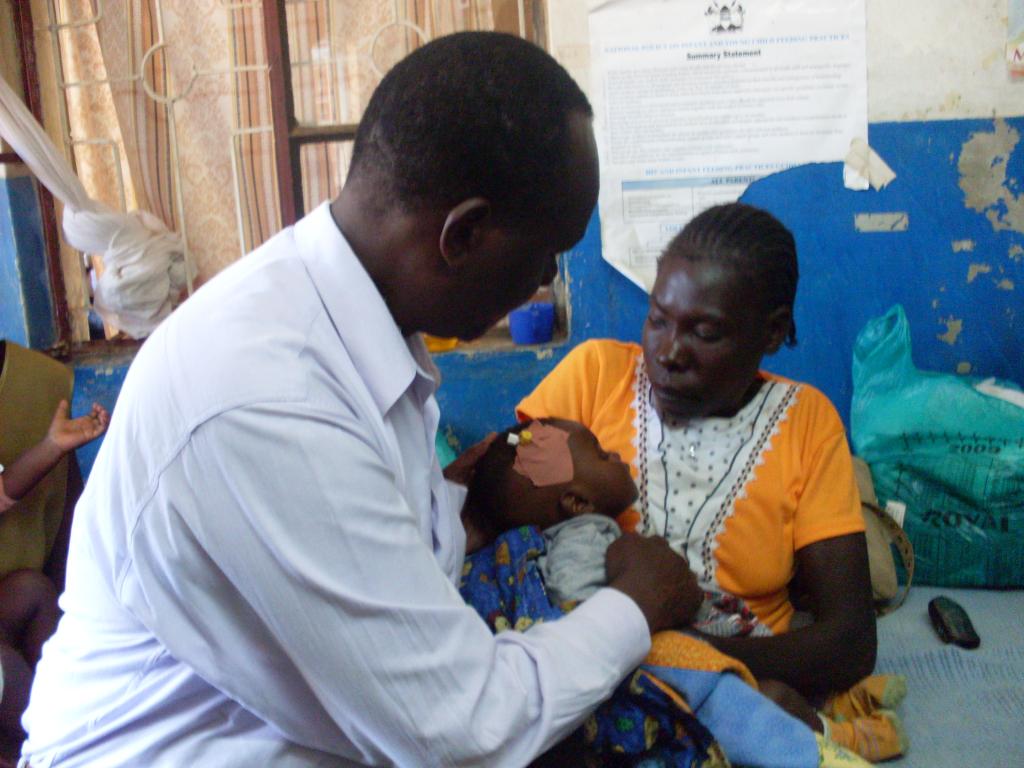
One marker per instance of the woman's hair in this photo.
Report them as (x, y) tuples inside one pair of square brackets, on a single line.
[(756, 244)]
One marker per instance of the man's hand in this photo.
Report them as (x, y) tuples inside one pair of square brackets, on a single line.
[(657, 578), (461, 470)]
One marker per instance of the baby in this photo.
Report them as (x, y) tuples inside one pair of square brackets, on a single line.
[(555, 475)]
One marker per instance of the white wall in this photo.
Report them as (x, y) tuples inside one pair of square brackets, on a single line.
[(927, 59)]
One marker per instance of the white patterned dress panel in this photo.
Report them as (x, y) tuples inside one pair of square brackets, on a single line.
[(690, 474)]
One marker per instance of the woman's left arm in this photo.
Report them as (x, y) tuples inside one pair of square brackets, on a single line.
[(839, 647)]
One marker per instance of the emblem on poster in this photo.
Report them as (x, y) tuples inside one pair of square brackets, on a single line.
[(725, 17)]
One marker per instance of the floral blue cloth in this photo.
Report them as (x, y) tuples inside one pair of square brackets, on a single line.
[(643, 724)]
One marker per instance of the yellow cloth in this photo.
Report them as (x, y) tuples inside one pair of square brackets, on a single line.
[(873, 693), (31, 386), (862, 719), (679, 651), (832, 755), (803, 491), (874, 737)]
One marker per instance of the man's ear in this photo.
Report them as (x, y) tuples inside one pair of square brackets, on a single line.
[(780, 320), (461, 233), (574, 505)]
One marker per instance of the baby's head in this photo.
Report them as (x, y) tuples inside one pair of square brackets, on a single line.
[(543, 473)]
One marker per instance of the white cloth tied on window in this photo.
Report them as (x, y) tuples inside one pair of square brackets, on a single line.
[(144, 265), (145, 269)]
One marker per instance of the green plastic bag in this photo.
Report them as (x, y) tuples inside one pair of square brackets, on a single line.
[(953, 455), (445, 453)]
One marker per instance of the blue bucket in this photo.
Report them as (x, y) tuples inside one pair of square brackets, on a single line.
[(532, 323)]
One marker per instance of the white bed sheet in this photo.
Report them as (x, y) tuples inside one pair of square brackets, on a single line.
[(963, 708)]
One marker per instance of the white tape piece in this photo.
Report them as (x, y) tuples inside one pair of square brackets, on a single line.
[(864, 168)]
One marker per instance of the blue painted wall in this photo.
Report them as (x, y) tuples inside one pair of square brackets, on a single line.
[(98, 379), (480, 389), (846, 277), (26, 311)]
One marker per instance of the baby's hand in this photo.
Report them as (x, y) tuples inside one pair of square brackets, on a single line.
[(68, 434)]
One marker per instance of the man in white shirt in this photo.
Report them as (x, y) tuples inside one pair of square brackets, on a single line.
[(263, 563)]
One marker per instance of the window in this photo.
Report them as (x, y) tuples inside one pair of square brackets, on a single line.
[(337, 51), (18, 67), (192, 117)]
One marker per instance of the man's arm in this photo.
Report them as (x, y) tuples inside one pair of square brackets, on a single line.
[(839, 648), (278, 559)]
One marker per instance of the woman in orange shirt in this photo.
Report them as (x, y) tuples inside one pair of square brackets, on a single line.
[(746, 474)]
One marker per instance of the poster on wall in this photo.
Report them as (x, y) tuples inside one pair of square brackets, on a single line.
[(694, 99), (1015, 39)]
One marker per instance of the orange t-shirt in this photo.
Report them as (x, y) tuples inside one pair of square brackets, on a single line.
[(794, 485)]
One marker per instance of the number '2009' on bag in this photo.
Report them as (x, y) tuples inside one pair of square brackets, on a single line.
[(952, 454)]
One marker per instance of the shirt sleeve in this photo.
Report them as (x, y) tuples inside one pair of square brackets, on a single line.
[(829, 504), (278, 559), (569, 391)]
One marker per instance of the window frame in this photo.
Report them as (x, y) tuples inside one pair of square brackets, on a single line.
[(290, 136), (25, 30)]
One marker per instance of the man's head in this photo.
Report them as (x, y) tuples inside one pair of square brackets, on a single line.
[(538, 479), (481, 145)]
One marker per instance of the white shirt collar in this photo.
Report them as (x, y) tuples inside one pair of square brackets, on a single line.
[(388, 362)]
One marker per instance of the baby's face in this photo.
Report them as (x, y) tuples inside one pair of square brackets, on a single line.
[(598, 476)]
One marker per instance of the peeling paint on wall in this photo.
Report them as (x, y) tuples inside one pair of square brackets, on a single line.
[(897, 221), (964, 368), (954, 327), (977, 269), (959, 246), (983, 179), (1016, 252), (1006, 284)]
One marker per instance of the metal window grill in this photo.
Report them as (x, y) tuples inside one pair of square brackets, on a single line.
[(135, 94)]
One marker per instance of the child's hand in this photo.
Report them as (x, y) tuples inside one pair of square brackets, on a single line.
[(68, 434)]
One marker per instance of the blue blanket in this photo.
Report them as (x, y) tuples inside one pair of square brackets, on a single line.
[(660, 716)]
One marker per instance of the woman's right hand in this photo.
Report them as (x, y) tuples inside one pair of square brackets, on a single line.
[(656, 577)]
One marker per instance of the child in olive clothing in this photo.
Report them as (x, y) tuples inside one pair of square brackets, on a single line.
[(38, 488)]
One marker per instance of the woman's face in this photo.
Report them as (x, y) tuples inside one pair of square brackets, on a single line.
[(704, 337)]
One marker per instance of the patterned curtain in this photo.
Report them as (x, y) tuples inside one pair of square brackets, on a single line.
[(168, 101)]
